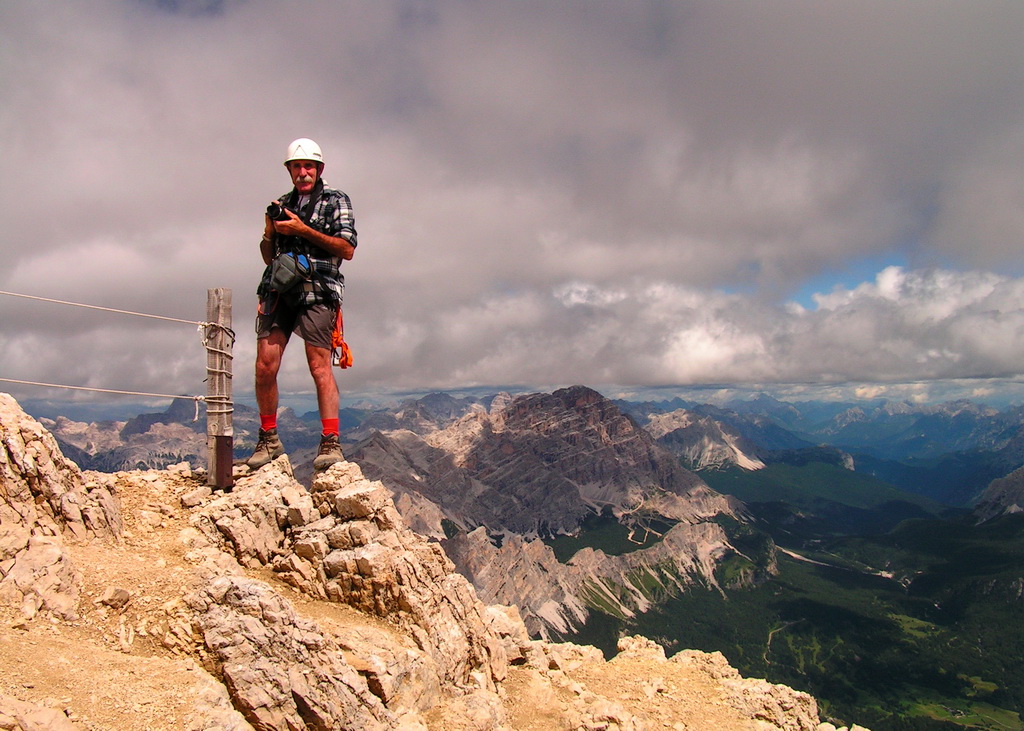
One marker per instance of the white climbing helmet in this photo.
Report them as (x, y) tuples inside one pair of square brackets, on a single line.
[(304, 149)]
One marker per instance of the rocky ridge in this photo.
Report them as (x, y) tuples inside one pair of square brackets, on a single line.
[(702, 441), (1003, 496), (555, 596), (143, 600), (146, 441), (540, 465), (158, 440)]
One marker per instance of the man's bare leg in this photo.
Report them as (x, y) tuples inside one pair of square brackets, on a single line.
[(269, 352), (327, 395), (327, 398)]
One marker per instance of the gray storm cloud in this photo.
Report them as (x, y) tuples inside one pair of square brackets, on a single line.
[(546, 193)]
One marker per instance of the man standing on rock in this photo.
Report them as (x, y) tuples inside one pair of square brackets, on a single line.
[(307, 234)]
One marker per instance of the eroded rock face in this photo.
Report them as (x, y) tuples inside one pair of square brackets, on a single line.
[(524, 574), (554, 596), (703, 442), (44, 500), (1003, 496), (282, 671), (345, 542), (539, 464)]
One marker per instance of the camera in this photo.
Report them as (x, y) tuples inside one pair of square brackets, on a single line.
[(277, 212)]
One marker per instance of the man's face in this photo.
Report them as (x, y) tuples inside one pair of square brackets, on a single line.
[(304, 174)]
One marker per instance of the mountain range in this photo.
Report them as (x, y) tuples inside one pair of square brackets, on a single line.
[(597, 517), (144, 599)]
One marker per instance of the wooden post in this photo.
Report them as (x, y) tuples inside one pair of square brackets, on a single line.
[(220, 340)]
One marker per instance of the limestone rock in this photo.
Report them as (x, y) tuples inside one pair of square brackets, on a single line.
[(282, 671), (702, 441), (538, 463), (778, 705), (41, 487), (44, 500), (1003, 496), (396, 671), (552, 595), (541, 464), (345, 542), (115, 597), (17, 715)]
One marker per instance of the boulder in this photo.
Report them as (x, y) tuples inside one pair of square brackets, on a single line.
[(44, 501), (282, 671)]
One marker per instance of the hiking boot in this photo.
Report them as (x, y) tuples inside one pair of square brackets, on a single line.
[(268, 448), (329, 452)]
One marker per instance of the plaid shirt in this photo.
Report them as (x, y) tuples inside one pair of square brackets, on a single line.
[(332, 215)]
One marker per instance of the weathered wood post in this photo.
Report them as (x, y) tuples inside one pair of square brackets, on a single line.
[(220, 340)]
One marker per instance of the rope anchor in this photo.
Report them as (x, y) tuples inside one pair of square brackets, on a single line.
[(218, 339), (208, 330)]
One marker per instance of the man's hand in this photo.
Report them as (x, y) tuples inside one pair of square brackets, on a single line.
[(333, 245), (292, 226), (268, 225)]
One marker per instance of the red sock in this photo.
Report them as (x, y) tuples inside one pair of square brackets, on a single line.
[(330, 426), (268, 421)]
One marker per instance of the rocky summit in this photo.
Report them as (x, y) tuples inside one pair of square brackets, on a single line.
[(143, 600), (539, 464)]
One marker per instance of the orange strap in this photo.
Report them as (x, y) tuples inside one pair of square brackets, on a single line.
[(340, 353)]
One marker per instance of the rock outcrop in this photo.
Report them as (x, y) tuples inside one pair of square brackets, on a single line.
[(345, 542), (703, 442), (144, 600), (44, 500), (555, 596), (282, 671), (777, 706), (1003, 496)]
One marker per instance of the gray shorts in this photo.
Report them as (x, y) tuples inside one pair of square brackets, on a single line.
[(313, 323)]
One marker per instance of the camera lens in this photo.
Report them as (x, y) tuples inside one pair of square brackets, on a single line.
[(276, 212)]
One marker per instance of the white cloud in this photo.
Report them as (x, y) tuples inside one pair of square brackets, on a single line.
[(545, 193)]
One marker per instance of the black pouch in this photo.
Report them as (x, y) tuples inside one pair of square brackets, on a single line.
[(288, 270)]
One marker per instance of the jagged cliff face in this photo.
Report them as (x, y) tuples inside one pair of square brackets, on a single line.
[(1004, 496), (420, 416), (540, 465), (551, 595), (703, 442), (144, 600)]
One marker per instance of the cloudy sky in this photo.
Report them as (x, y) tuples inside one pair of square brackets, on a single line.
[(621, 194)]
